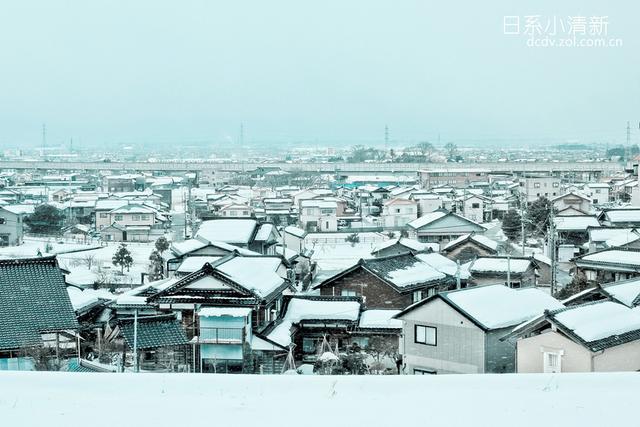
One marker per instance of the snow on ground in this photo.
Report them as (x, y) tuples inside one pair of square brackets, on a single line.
[(29, 248), (62, 399)]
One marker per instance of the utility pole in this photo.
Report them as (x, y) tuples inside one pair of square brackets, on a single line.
[(386, 137), (552, 249), (44, 137), (135, 341), (508, 270), (457, 274), (523, 208)]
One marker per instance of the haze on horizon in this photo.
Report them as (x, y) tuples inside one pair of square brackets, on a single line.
[(103, 72)]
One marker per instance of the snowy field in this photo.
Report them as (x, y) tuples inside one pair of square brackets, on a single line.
[(63, 399)]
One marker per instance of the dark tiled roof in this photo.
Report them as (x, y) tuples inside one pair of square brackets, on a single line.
[(154, 332), (33, 300)]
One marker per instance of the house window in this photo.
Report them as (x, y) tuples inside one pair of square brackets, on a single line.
[(514, 285), (103, 215), (475, 205), (136, 217), (417, 371), (397, 210), (144, 217), (118, 217), (416, 296), (425, 335), (4, 240), (348, 293), (595, 201), (3, 221), (536, 185), (597, 191), (552, 361), (556, 184)]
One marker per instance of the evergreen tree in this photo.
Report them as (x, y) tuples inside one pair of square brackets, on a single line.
[(162, 244), (156, 266), (538, 216), (45, 219), (122, 258), (511, 225)]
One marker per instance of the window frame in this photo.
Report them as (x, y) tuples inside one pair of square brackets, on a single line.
[(435, 335)]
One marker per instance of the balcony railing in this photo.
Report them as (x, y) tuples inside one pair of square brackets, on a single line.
[(211, 335)]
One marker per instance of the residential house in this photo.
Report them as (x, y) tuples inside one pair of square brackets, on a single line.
[(442, 226), (534, 186), (12, 223), (36, 313), (247, 233), (572, 204), (392, 282), (399, 212), (514, 272), (403, 245), (609, 265), (599, 192), (459, 332), (469, 247), (620, 217), (600, 336)]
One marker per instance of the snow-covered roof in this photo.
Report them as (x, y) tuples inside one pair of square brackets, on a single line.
[(427, 219), (625, 291), (410, 244), (443, 264), (264, 232), (499, 265), (313, 309), (228, 230), (613, 256), (602, 234), (194, 263), (600, 320), (371, 319), (258, 274), (623, 215), (224, 311), (20, 209), (295, 231), (498, 306), (575, 223), (482, 240)]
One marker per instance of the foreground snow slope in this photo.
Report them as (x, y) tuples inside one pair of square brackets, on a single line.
[(61, 399)]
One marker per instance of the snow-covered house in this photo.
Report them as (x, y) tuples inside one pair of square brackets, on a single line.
[(392, 282), (460, 331), (601, 336), (470, 246), (572, 203), (247, 233), (599, 192), (36, 312), (399, 212), (609, 265), (442, 226), (224, 305), (403, 245), (514, 272)]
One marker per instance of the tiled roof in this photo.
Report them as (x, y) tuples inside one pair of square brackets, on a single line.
[(33, 300), (154, 332)]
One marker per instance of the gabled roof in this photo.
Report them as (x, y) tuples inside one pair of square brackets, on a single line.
[(494, 306), (410, 244), (252, 276), (501, 265), (402, 272), (437, 216), (477, 239), (236, 230), (627, 215), (624, 258), (33, 300), (598, 325)]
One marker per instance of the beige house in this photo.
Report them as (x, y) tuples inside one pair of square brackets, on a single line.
[(460, 331), (600, 336)]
